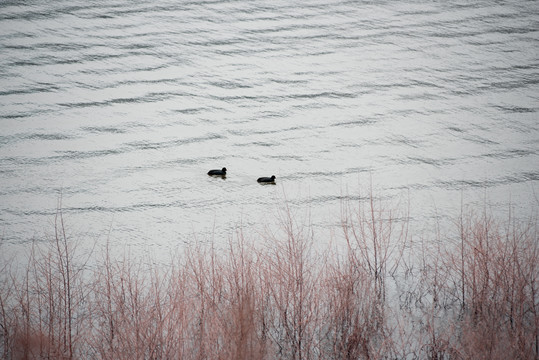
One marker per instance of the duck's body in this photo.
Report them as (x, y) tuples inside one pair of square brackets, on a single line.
[(267, 180), (221, 172)]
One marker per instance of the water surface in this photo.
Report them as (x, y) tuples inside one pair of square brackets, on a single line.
[(123, 106)]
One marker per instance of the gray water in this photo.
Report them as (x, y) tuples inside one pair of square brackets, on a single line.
[(121, 107)]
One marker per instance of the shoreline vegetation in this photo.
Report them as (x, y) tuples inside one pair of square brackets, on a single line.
[(382, 294)]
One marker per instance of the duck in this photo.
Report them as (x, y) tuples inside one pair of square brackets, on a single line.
[(221, 172), (267, 180)]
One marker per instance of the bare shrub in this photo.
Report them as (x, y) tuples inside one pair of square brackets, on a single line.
[(128, 311), (244, 328), (376, 238), (353, 311), (495, 272), (47, 302), (226, 311), (292, 282), (379, 296)]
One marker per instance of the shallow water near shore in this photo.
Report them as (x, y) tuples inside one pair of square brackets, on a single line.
[(121, 109)]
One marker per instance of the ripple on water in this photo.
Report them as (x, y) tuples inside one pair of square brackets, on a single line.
[(126, 106)]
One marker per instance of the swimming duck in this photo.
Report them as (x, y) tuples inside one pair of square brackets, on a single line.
[(267, 180), (221, 172)]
